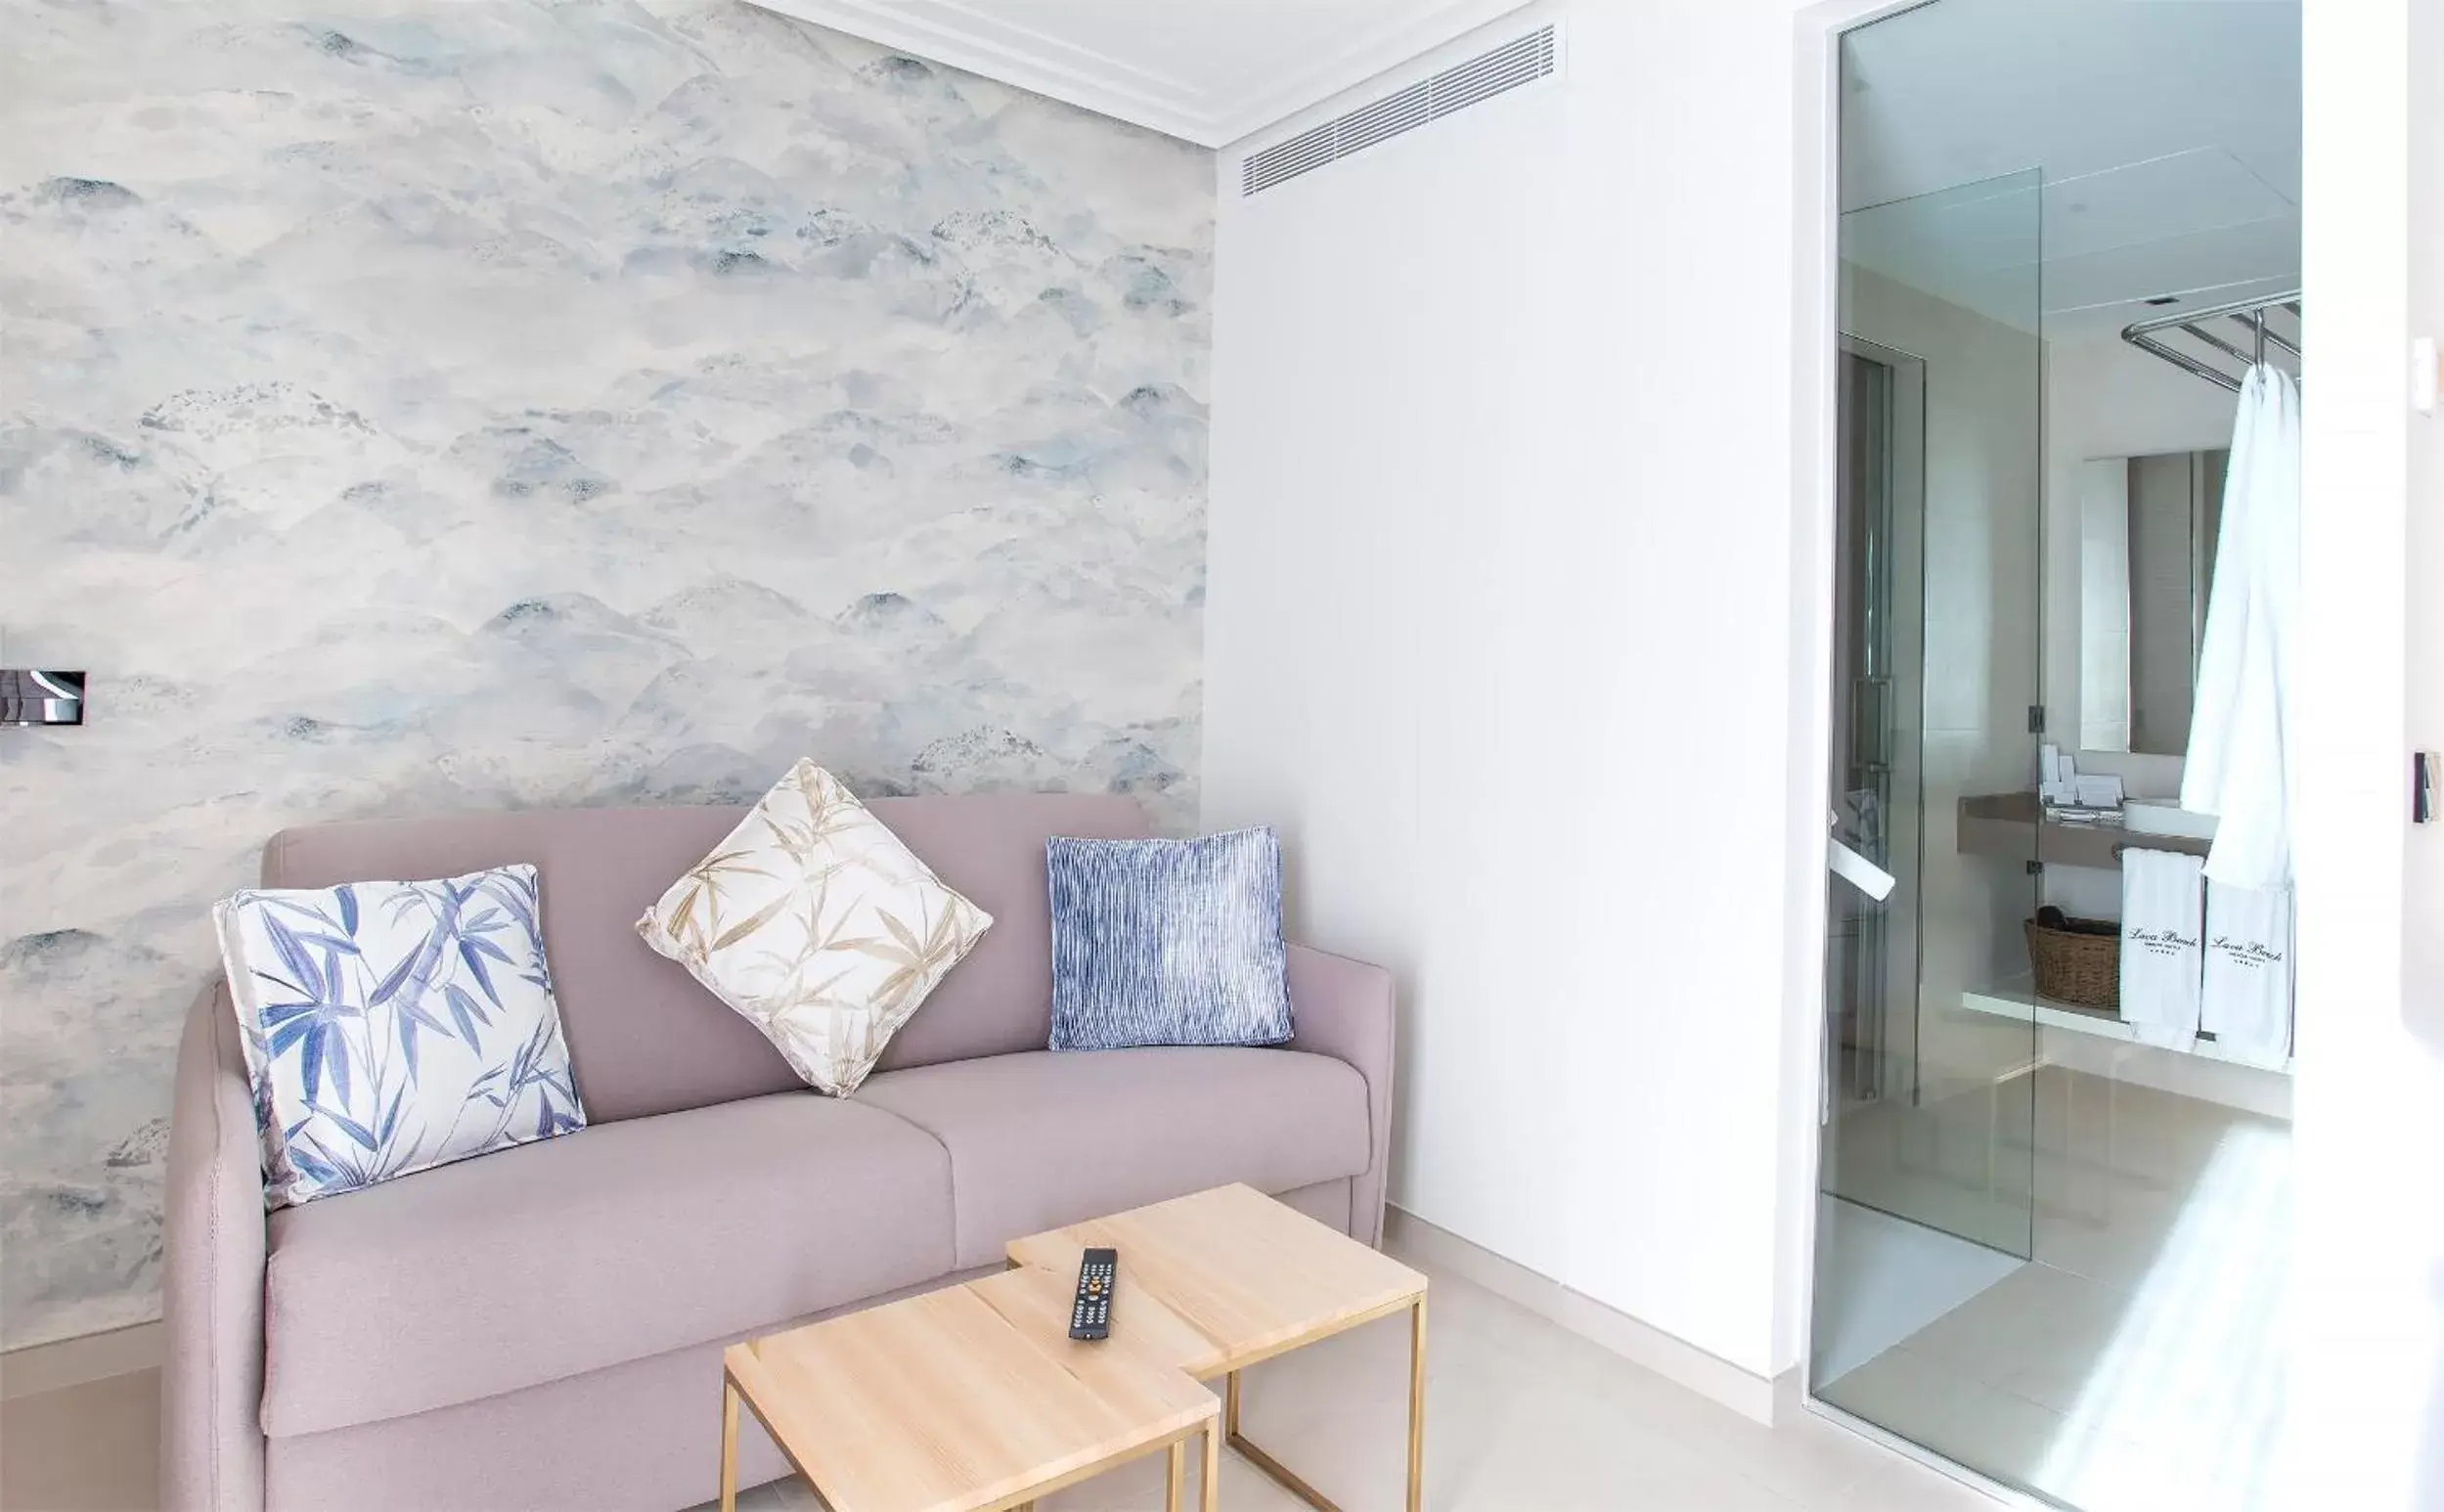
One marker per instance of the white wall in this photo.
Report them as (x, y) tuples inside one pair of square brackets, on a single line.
[(2366, 1426), (2422, 891), (1499, 632), (1516, 599), (2423, 896)]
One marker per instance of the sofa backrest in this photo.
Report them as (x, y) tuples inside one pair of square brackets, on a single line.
[(644, 1037)]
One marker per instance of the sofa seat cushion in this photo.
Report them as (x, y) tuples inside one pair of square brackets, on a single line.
[(619, 1242), (1041, 1138)]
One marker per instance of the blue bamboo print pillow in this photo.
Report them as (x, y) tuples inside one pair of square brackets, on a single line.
[(394, 1026), (1167, 942)]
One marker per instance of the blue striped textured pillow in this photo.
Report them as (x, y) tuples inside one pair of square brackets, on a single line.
[(1167, 942)]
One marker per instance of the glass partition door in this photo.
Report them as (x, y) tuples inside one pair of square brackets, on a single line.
[(1927, 1146)]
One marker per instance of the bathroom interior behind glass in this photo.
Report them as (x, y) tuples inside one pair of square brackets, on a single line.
[(2054, 1162)]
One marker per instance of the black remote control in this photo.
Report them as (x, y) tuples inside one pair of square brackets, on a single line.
[(1090, 1315)]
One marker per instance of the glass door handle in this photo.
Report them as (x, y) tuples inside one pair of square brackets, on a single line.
[(1856, 869)]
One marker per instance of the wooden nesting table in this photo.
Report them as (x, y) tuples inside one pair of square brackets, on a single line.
[(971, 1398), (1236, 1278), (974, 1398)]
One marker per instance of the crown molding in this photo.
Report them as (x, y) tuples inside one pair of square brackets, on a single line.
[(952, 35), (963, 36)]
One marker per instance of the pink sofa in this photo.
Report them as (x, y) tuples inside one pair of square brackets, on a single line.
[(541, 1328)]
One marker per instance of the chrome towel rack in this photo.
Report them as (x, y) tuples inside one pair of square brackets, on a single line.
[(2262, 324)]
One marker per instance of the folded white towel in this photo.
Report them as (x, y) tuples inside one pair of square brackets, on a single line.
[(2248, 1000), (2160, 940)]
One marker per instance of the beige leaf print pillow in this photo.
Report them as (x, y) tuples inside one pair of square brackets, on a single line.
[(818, 926)]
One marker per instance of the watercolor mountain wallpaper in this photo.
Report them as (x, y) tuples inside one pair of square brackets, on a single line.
[(417, 406)]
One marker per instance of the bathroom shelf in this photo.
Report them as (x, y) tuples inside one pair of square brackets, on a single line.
[(2017, 1001), (2014, 824)]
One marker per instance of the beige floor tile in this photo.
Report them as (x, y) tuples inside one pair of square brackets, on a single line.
[(2238, 1193), (1902, 1486), (2035, 1315), (2104, 1471), (1995, 1432), (1803, 1457), (789, 1496), (2138, 1363), (2126, 1418), (1139, 1488), (82, 1448), (1902, 1390)]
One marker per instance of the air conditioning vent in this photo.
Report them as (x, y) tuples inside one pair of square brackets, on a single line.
[(1455, 88)]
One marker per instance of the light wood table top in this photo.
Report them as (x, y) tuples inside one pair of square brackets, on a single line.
[(1233, 1277), (966, 1399)]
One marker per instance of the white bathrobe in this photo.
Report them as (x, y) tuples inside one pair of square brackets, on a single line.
[(2240, 758)]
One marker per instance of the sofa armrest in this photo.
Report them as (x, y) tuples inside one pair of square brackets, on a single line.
[(212, 1274), (1343, 1008)]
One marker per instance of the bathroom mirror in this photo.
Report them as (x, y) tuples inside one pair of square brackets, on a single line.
[(2146, 558)]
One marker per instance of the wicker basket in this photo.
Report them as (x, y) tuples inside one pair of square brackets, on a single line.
[(2081, 966)]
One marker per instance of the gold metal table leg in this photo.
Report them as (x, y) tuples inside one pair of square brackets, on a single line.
[(1290, 1481), (1176, 1475), (730, 1445), (1417, 1404), (1212, 1501)]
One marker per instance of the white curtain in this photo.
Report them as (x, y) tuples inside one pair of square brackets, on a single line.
[(2239, 762)]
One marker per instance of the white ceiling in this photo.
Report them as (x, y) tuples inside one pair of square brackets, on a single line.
[(2165, 135), (1210, 72)]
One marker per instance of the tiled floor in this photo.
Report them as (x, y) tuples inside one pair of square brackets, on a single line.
[(1522, 1417), (1880, 1279), (2136, 1361), (82, 1448)]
